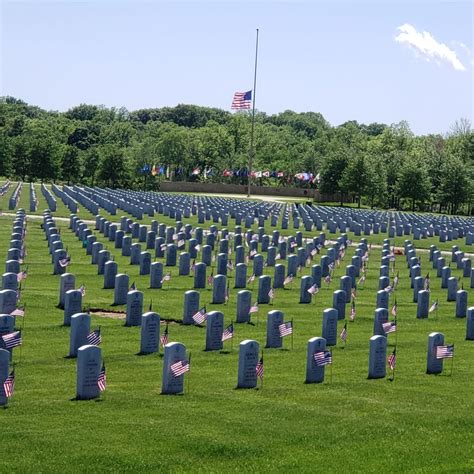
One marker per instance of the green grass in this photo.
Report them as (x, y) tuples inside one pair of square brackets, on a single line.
[(417, 423)]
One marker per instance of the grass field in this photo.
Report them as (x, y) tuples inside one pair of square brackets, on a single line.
[(417, 423)]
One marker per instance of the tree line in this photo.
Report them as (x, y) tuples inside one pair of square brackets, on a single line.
[(376, 164)]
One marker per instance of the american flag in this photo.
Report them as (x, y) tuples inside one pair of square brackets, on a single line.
[(445, 352), (94, 337), (322, 358), (164, 337), (179, 368), (133, 287), (9, 384), (242, 100), (64, 262), (278, 256), (228, 332), (20, 311), (22, 275), (82, 289), (193, 266), (251, 278), (343, 334), (102, 379), (259, 368), (210, 279), (426, 284), (390, 326), (163, 247), (271, 293), (392, 359), (314, 289), (197, 247), (394, 309), (285, 329), (12, 340), (362, 279), (200, 316), (227, 293), (434, 306), (353, 311), (353, 293), (253, 308), (288, 280), (230, 265), (253, 252), (328, 279), (181, 243), (396, 280), (314, 252), (389, 289), (167, 277), (331, 266), (293, 245)]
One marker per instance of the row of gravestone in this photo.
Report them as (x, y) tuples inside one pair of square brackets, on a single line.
[(33, 198), (52, 204), (67, 200), (15, 197), (59, 255), (4, 187)]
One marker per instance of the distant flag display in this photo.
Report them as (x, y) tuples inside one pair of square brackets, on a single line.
[(322, 358), (242, 100)]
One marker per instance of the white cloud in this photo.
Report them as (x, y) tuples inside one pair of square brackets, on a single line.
[(424, 44)]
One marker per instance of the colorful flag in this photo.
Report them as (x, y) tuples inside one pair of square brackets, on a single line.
[(390, 326), (285, 329), (228, 332), (426, 283), (94, 337), (251, 278), (133, 287), (322, 358), (210, 279), (164, 339), (82, 289), (353, 311), (12, 339), (343, 334), (9, 384), (167, 277), (271, 293), (200, 316), (259, 368), (22, 276), (102, 379), (242, 100), (434, 306), (313, 290), (394, 309), (445, 352), (181, 243), (179, 368), (19, 311), (328, 279), (392, 359), (288, 280)]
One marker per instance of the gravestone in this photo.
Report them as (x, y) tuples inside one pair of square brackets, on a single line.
[(244, 302), (171, 255), (314, 372), (346, 286), (200, 275), (240, 275), (382, 299), (174, 352), (67, 282), (214, 330), (184, 263), (127, 246), (258, 265), (4, 372), (150, 333), (248, 359), (264, 285), (329, 330), (121, 289), (145, 263), (10, 281), (434, 365), (110, 272), (135, 254), (274, 319), (339, 303), (102, 257), (72, 305), (88, 368), (156, 275), (377, 357), (316, 272), (461, 303), (134, 308), (380, 317), (80, 328), (190, 306), (219, 289), (470, 324), (452, 288), (306, 284)]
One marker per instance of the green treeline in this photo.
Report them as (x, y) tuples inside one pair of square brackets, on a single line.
[(376, 164)]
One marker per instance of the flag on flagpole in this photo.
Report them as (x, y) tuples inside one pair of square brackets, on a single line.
[(94, 338), (210, 279), (271, 293), (389, 327), (434, 306), (167, 277), (251, 278), (394, 309), (253, 308), (20, 311), (343, 334), (445, 352), (228, 332), (313, 290), (392, 359), (179, 368), (285, 329), (164, 337), (242, 100), (12, 339), (200, 316), (353, 311), (82, 289), (288, 280), (64, 262), (9, 384), (322, 358), (102, 379), (22, 276), (259, 368)]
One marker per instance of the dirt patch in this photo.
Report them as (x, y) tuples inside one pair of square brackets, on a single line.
[(120, 315)]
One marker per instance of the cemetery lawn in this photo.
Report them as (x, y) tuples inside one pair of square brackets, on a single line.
[(418, 422)]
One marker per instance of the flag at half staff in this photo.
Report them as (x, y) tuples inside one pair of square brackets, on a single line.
[(242, 100)]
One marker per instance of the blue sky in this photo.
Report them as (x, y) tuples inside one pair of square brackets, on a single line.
[(341, 59)]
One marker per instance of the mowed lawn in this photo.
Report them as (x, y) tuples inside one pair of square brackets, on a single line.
[(419, 422)]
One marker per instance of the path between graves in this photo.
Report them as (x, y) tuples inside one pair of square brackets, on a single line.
[(87, 221)]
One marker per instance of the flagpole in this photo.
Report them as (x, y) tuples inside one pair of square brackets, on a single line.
[(292, 332), (189, 373), (452, 363), (252, 149)]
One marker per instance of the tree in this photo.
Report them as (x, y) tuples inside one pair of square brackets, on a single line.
[(356, 177), (414, 182), (114, 167), (454, 184), (71, 165)]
